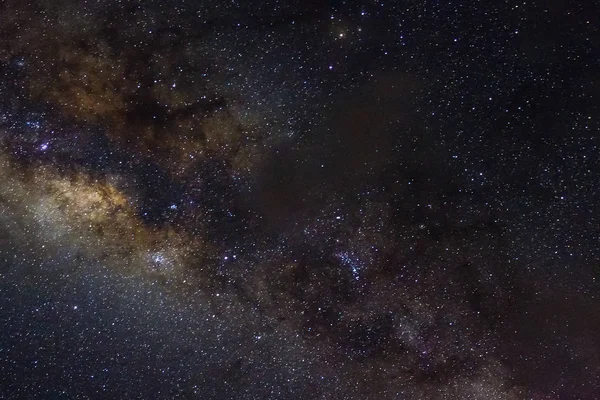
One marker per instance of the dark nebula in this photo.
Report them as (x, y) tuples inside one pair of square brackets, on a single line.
[(280, 200)]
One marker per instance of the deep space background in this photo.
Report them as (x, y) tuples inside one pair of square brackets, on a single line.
[(226, 199)]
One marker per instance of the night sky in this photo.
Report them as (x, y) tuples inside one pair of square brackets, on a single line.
[(225, 199)]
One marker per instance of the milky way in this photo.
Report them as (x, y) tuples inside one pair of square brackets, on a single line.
[(334, 200)]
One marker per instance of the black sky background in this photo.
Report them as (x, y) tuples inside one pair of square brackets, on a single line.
[(269, 200)]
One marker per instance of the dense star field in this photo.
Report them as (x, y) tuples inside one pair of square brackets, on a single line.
[(388, 199)]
